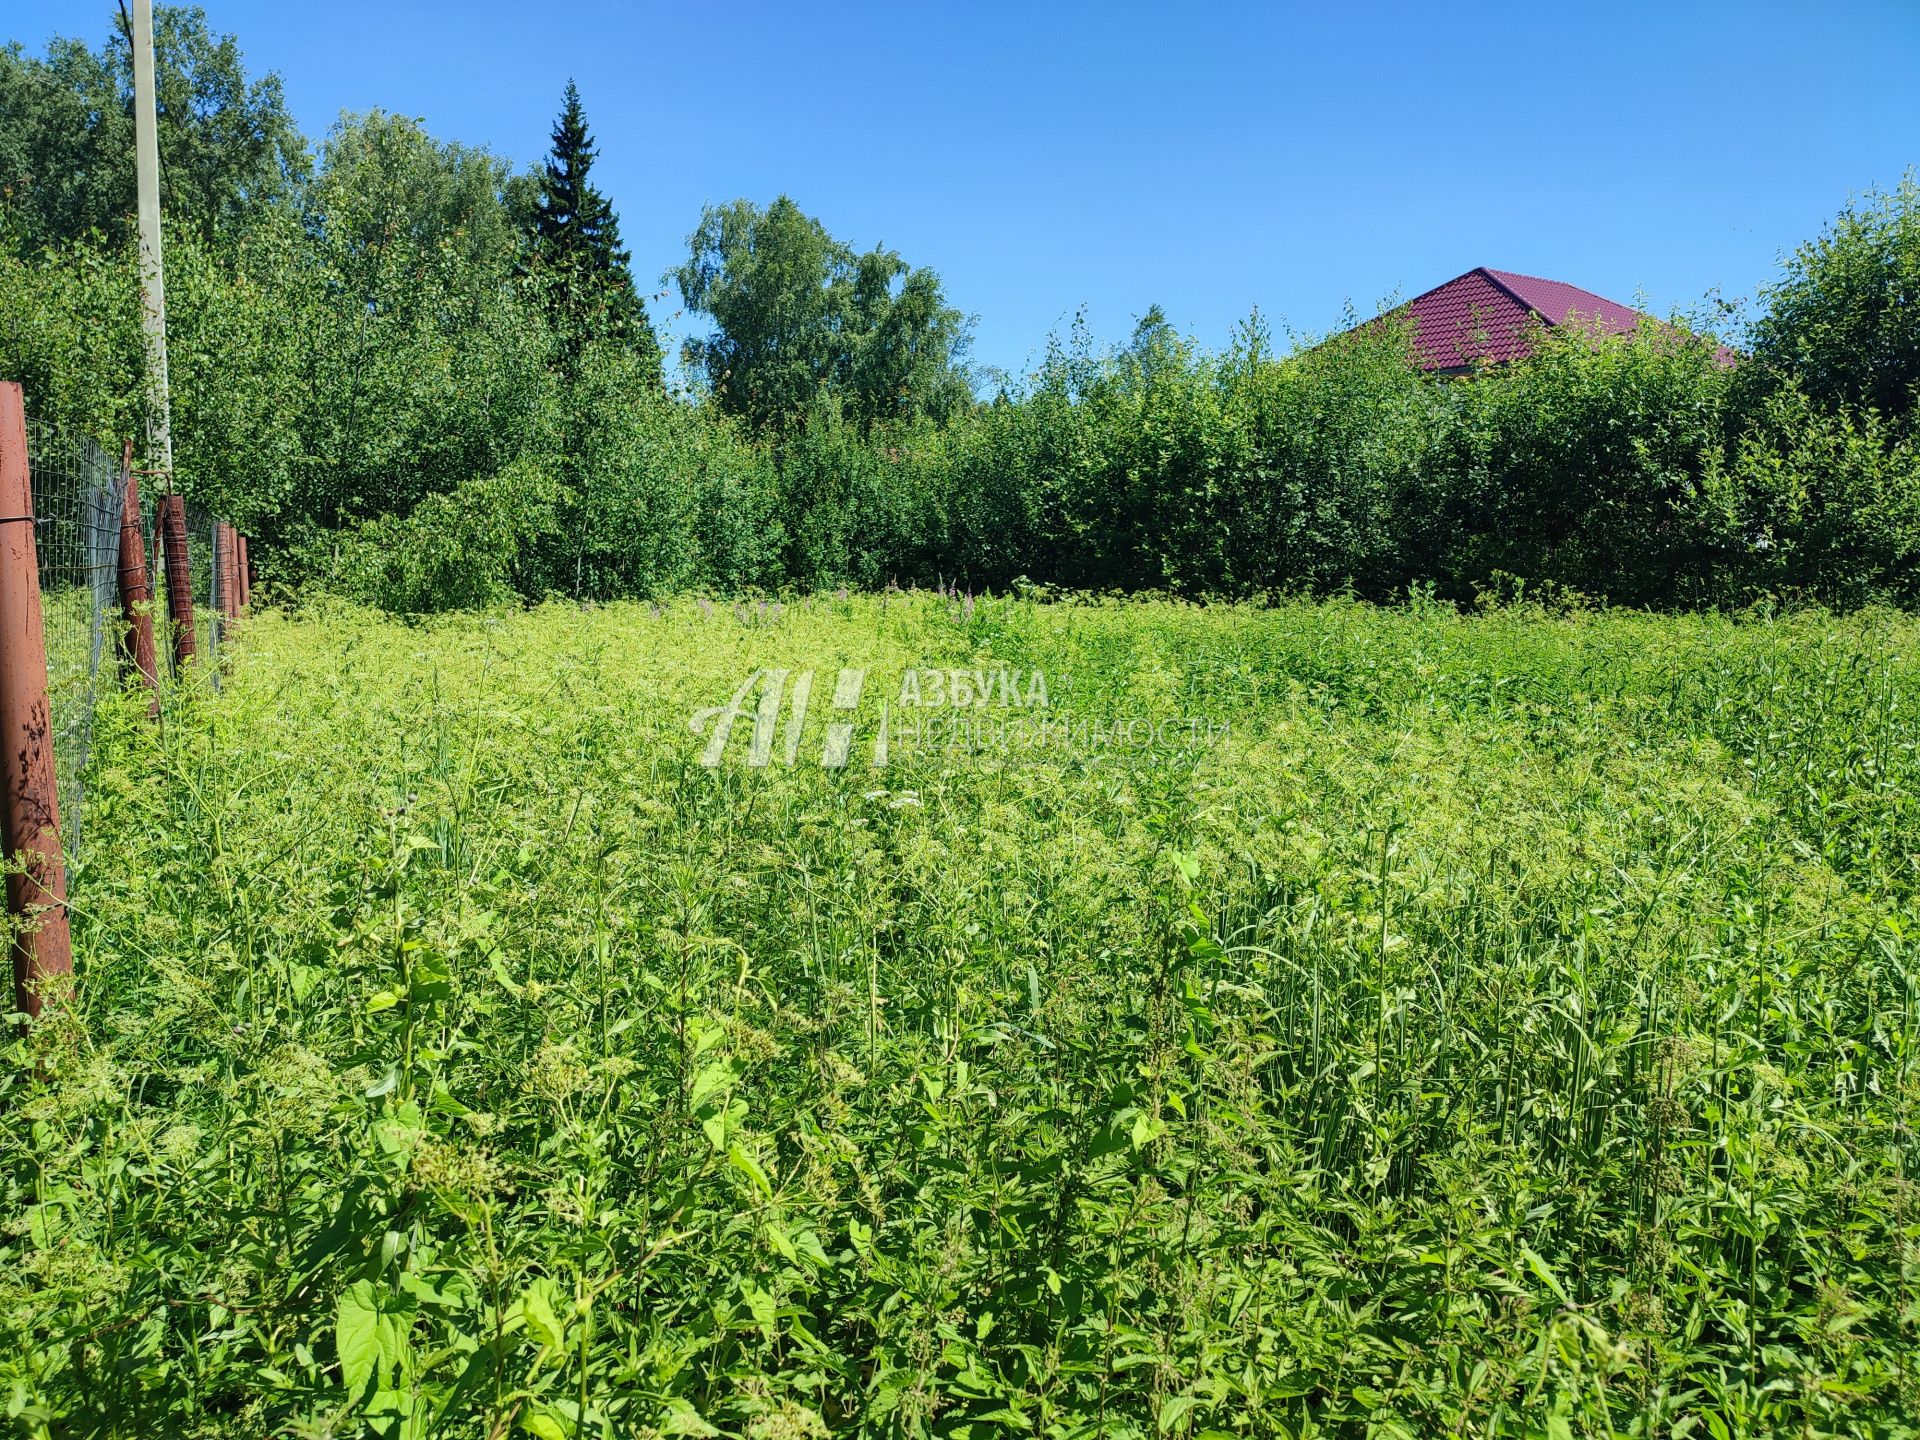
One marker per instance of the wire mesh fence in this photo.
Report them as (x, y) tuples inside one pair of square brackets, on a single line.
[(78, 494)]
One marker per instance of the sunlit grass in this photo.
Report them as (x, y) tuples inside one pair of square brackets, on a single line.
[(1507, 1026)]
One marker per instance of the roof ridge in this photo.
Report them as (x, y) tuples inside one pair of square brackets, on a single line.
[(1563, 284), (1498, 277), (1522, 275)]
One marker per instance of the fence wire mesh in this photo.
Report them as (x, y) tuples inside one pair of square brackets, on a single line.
[(78, 494), (76, 508), (203, 558)]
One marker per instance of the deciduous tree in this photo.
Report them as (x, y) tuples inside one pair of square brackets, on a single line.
[(798, 316)]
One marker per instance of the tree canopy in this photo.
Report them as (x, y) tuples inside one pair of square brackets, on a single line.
[(1843, 322), (576, 249), (228, 146), (800, 316)]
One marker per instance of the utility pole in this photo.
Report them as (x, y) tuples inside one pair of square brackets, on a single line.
[(153, 290)]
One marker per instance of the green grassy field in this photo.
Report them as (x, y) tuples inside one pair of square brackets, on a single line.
[(1494, 1025)]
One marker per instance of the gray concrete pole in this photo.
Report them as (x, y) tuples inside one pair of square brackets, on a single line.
[(153, 290)]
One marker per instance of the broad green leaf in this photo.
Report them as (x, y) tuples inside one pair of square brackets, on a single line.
[(1146, 1129), (1173, 1409), (738, 1157), (712, 1079), (539, 1306), (370, 1325), (680, 1418)]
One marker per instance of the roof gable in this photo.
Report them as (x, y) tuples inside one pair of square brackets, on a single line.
[(1557, 302), (1484, 315)]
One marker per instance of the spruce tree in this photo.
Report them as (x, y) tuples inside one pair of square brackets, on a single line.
[(577, 250)]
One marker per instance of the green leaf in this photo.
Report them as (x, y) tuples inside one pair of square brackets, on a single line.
[(682, 1419), (705, 1034), (539, 1309), (1174, 1409), (431, 980), (499, 968), (1540, 1268), (712, 1080), (370, 1326), (1146, 1129), (750, 1167), (718, 1123)]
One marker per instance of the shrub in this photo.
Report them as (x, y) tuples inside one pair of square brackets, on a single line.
[(1843, 322), (461, 549), (1830, 502), (1586, 466), (859, 510)]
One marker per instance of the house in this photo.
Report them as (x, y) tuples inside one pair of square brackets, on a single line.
[(1485, 316)]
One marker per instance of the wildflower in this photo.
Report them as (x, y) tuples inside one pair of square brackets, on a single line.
[(791, 1421), (469, 1171), (179, 1142)]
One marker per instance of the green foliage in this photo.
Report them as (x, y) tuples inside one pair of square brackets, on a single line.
[(457, 549), (587, 276), (1843, 322), (1832, 501), (228, 147), (800, 317), (1588, 467), (350, 361), (665, 498), (1507, 1028), (407, 322), (70, 334), (1239, 474), (860, 509)]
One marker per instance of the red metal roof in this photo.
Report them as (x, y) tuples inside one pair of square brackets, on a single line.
[(1484, 315)]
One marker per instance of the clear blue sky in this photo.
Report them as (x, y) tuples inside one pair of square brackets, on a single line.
[(1211, 158)]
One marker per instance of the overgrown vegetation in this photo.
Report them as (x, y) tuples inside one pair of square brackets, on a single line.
[(1492, 1014), (1506, 1027), (373, 343)]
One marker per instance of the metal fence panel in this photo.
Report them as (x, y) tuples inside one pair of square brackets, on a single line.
[(76, 508), (77, 495)]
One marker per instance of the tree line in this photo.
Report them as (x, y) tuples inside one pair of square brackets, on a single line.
[(429, 381)]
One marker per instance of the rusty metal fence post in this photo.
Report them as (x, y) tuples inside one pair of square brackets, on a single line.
[(173, 549), (29, 791), (136, 594), (229, 571)]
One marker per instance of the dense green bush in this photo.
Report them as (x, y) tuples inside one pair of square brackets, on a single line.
[(1843, 321), (458, 549), (1164, 468), (1327, 495), (1586, 467), (70, 333), (860, 509), (1830, 499)]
